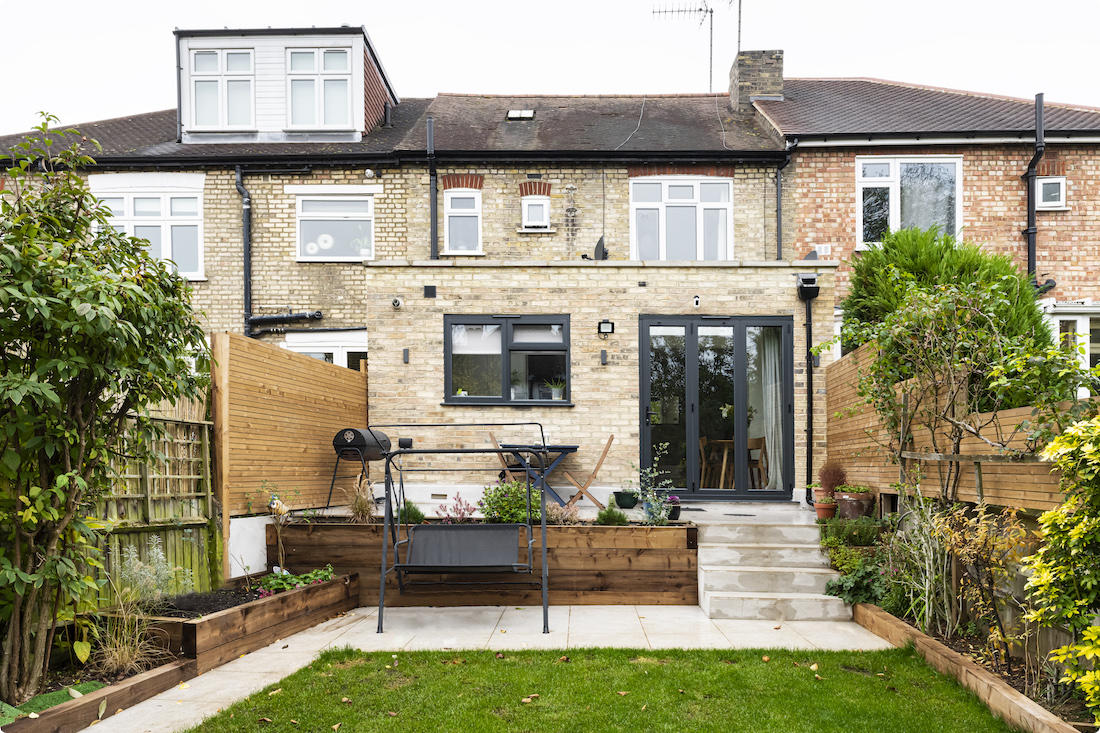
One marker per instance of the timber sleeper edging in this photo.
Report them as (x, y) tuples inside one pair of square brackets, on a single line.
[(1017, 709)]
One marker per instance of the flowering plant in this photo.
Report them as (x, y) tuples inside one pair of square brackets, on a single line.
[(672, 499), (458, 511)]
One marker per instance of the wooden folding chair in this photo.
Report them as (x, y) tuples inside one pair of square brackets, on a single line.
[(508, 470), (582, 490)]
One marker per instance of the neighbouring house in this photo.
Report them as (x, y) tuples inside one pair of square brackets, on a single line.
[(649, 266)]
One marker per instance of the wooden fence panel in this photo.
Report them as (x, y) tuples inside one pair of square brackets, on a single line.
[(275, 413), (856, 439)]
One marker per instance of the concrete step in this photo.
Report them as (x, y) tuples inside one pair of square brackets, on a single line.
[(773, 555), (760, 533), (764, 579), (775, 606)]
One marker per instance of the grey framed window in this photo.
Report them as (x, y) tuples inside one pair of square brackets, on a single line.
[(506, 359)]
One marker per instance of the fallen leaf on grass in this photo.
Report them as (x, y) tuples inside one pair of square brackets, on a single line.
[(818, 677), (622, 693), (75, 693), (392, 714), (337, 726), (534, 695), (880, 674), (643, 707), (265, 720), (525, 700), (814, 666), (346, 700), (681, 692), (293, 721), (563, 659), (500, 655), (797, 664), (275, 692), (32, 716), (765, 658)]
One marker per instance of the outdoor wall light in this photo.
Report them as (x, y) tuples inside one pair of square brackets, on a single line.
[(605, 328)]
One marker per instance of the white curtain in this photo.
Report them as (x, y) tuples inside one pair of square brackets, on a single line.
[(771, 372)]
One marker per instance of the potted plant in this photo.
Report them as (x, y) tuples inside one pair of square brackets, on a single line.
[(854, 501), (825, 507), (818, 492), (830, 476), (556, 387), (627, 498), (673, 502)]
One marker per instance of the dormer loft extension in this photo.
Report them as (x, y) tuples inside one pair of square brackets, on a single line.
[(279, 85)]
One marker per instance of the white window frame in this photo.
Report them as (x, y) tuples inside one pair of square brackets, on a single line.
[(448, 194), (526, 202), (337, 343), (319, 76), (1059, 205), (222, 76), (893, 183), (300, 216), (696, 201)]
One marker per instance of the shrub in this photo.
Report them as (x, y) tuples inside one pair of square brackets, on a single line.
[(150, 581), (562, 515), (861, 532), (830, 475), (853, 489), (863, 584), (609, 515), (507, 502), (459, 511), (276, 582), (362, 505), (843, 558), (410, 514)]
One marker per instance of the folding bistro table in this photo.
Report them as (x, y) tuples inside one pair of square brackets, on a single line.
[(556, 453)]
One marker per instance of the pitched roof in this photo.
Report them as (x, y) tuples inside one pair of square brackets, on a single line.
[(680, 123), (839, 107)]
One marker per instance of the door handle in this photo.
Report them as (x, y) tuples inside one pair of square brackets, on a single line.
[(649, 415)]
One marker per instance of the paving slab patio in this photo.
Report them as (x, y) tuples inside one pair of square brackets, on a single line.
[(478, 627)]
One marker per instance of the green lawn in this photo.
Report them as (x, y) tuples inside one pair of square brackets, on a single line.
[(670, 690), (44, 701)]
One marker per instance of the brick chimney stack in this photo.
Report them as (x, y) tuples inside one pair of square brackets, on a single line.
[(755, 75)]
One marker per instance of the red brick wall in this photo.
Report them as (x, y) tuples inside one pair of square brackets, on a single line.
[(820, 207), (375, 95)]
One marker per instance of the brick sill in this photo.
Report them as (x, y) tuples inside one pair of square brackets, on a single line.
[(514, 403)]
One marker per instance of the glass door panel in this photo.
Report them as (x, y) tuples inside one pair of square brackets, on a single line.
[(717, 355), (763, 451), (665, 410)]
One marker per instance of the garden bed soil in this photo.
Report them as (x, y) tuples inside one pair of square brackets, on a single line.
[(1072, 709), (194, 605)]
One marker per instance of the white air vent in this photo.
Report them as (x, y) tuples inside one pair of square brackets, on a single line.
[(521, 114)]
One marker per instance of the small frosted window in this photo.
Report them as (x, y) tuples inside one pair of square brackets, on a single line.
[(116, 205), (336, 238), (336, 101), (681, 193), (301, 61), (550, 333), (336, 61), (714, 192), (206, 62), (876, 170), (238, 62), (462, 202), (206, 103), (324, 206), (185, 206), (647, 192), (238, 102), (146, 206), (1052, 192), (303, 104)]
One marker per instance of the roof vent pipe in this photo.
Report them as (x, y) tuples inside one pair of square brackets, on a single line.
[(1029, 179), (433, 191)]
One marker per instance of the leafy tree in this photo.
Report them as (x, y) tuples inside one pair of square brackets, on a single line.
[(883, 275), (93, 330)]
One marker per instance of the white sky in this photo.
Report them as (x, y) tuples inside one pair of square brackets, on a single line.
[(85, 60)]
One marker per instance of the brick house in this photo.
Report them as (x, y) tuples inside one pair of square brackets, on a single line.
[(652, 267)]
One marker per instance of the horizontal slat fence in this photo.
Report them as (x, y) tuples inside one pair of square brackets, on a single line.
[(856, 439)]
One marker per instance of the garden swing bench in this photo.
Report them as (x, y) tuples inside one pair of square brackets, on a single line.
[(441, 549)]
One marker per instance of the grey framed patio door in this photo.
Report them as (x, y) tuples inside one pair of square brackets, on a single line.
[(717, 404)]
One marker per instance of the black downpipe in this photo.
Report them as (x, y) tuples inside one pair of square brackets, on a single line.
[(246, 238), (791, 145), (433, 192), (1031, 233), (808, 289)]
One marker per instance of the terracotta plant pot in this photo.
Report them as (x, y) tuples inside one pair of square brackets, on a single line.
[(820, 494), (825, 511), (853, 505)]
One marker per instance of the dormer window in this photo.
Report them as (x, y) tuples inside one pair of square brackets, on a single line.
[(520, 114), (222, 89), (319, 88)]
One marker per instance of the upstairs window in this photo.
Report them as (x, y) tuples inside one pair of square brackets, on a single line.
[(536, 212), (335, 228), (319, 87), (462, 221), (901, 193), (681, 218), (221, 89)]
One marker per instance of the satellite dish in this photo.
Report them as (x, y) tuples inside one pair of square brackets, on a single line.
[(601, 251)]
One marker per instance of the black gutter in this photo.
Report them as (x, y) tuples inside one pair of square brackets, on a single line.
[(344, 30), (933, 135), (808, 289), (1032, 230), (433, 191), (791, 145), (246, 240), (254, 163)]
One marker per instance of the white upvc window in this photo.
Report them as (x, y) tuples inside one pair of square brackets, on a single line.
[(462, 221), (681, 218), (170, 222), (222, 89), (335, 228), (342, 348), (319, 88), (1050, 193), (902, 192), (536, 212)]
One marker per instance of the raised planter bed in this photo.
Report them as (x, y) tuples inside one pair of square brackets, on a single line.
[(205, 643), (588, 565), (1013, 706)]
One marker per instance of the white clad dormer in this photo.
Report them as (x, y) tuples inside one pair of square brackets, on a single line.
[(279, 85)]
